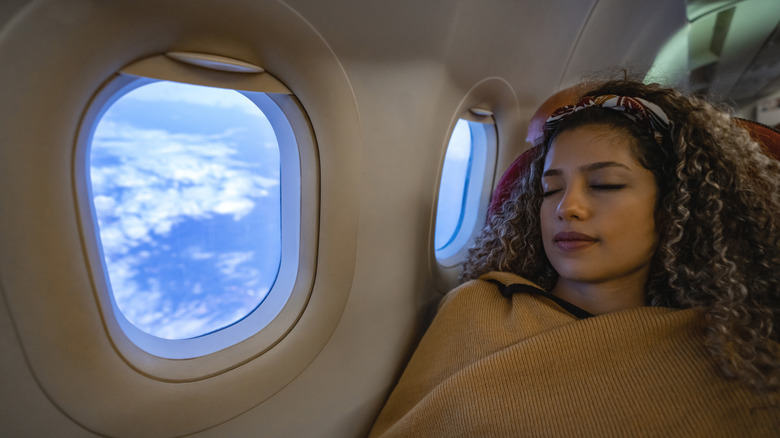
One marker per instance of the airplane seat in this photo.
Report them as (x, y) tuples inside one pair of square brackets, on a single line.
[(766, 136), (504, 187)]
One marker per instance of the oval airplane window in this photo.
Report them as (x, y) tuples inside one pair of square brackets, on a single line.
[(452, 189), (185, 182), (463, 188), (195, 198)]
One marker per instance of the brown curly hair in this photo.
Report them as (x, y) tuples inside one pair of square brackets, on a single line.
[(717, 217)]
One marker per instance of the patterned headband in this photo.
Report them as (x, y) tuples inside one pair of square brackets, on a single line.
[(647, 114)]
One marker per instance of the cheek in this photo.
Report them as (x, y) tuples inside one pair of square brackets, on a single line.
[(645, 214), (545, 218), (639, 231)]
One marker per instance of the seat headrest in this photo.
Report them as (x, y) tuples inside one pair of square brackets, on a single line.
[(766, 136), (513, 172)]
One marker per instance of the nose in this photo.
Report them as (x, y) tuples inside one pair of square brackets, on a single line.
[(573, 205)]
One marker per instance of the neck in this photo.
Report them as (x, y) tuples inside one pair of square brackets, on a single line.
[(603, 297)]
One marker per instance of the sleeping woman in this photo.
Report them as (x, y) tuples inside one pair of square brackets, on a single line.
[(628, 286)]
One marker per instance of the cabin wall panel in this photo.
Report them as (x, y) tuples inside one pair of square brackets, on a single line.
[(9, 9), (24, 408), (520, 41)]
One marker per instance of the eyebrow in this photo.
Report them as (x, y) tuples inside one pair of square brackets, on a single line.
[(588, 167)]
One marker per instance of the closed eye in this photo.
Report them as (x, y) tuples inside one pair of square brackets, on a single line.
[(607, 186), (550, 192)]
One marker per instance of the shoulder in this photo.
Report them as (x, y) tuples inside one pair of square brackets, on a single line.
[(484, 291)]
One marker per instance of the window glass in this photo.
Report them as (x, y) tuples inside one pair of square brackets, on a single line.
[(452, 189), (464, 189), (185, 184)]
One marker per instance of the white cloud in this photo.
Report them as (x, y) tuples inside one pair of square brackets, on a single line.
[(459, 147), (236, 207), (229, 263), (158, 179), (196, 253)]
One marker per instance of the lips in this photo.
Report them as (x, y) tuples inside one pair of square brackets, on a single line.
[(572, 241)]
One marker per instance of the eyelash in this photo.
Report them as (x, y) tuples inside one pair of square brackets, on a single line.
[(605, 187)]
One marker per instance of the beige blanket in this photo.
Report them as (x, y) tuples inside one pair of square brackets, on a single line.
[(491, 366)]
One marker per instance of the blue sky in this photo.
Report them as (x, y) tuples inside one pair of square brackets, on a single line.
[(185, 185)]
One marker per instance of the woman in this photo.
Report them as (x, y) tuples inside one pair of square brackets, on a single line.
[(628, 286)]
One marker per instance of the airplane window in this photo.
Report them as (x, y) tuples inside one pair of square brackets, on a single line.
[(462, 189), (185, 185), (186, 189), (452, 189)]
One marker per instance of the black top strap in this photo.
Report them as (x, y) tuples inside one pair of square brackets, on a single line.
[(508, 290)]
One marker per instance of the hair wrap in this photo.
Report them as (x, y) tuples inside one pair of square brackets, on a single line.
[(646, 114)]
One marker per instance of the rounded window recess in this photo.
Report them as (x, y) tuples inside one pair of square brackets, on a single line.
[(195, 194), (464, 189)]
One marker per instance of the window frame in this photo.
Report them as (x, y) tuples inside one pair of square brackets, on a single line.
[(276, 315), (479, 184)]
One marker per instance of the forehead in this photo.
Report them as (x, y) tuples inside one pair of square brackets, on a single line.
[(589, 144)]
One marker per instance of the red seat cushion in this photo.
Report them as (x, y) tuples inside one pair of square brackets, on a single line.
[(504, 186), (767, 136)]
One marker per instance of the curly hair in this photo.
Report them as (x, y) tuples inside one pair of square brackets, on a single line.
[(717, 217)]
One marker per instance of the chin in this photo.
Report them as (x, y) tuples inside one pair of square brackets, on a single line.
[(574, 273)]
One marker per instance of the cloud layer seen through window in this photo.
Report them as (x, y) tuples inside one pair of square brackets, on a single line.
[(185, 185)]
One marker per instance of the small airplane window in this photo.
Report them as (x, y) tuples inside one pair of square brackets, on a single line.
[(452, 189), (185, 184), (464, 188)]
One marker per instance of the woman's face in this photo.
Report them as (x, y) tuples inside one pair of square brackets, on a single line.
[(597, 216)]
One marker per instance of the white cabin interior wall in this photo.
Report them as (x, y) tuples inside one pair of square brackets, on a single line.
[(25, 411)]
